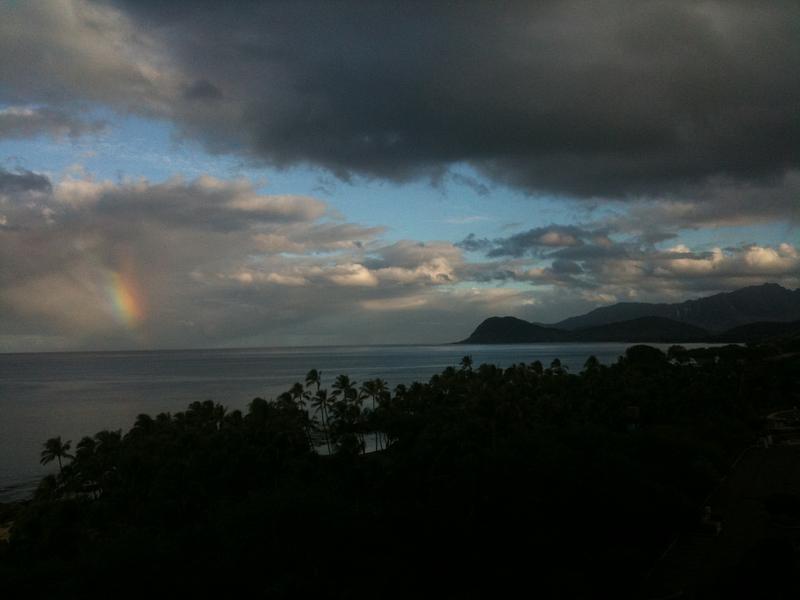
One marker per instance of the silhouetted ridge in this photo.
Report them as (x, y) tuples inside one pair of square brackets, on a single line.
[(749, 314), (510, 330), (644, 329), (768, 302), (754, 332)]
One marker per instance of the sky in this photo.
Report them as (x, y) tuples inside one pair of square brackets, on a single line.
[(207, 174)]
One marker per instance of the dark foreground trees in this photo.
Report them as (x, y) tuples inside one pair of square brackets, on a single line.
[(566, 484)]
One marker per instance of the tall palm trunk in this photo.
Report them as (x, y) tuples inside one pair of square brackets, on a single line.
[(377, 446), (325, 428)]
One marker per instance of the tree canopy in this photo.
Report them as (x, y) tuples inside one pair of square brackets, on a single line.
[(486, 478)]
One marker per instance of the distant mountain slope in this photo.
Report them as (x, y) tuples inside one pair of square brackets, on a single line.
[(643, 329), (754, 332), (767, 302), (510, 330)]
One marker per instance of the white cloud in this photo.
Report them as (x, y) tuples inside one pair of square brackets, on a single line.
[(291, 280), (395, 304), (79, 192), (598, 297), (557, 238), (352, 275), (435, 271), (752, 260)]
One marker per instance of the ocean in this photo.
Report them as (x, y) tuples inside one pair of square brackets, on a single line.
[(73, 394)]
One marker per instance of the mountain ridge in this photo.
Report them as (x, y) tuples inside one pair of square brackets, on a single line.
[(699, 320), (768, 302)]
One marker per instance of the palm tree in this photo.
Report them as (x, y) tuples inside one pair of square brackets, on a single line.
[(320, 403), (313, 377), (55, 449), (86, 462), (108, 441), (106, 450), (592, 365), (347, 431), (144, 423), (375, 389), (345, 388), (382, 391), (296, 392), (87, 445), (466, 363), (557, 368), (299, 396), (369, 390), (348, 407)]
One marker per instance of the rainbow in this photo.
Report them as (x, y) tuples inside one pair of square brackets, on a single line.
[(127, 302)]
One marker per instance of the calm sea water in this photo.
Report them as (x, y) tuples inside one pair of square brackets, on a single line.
[(76, 394)]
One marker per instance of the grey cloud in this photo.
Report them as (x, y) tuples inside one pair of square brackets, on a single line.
[(472, 243), (567, 267), (644, 275), (569, 98), (23, 181), (202, 203), (61, 54), (593, 251), (535, 241), (408, 253), (680, 269), (331, 236), (200, 283), (25, 122), (718, 203), (298, 281), (172, 225), (622, 269), (202, 90)]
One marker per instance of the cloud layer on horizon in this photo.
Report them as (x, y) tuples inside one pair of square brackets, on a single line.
[(214, 262)]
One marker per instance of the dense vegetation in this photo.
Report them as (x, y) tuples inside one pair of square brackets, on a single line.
[(569, 485)]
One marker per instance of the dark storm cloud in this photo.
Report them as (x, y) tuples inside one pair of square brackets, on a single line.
[(23, 181), (586, 99), (202, 90), (715, 204)]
